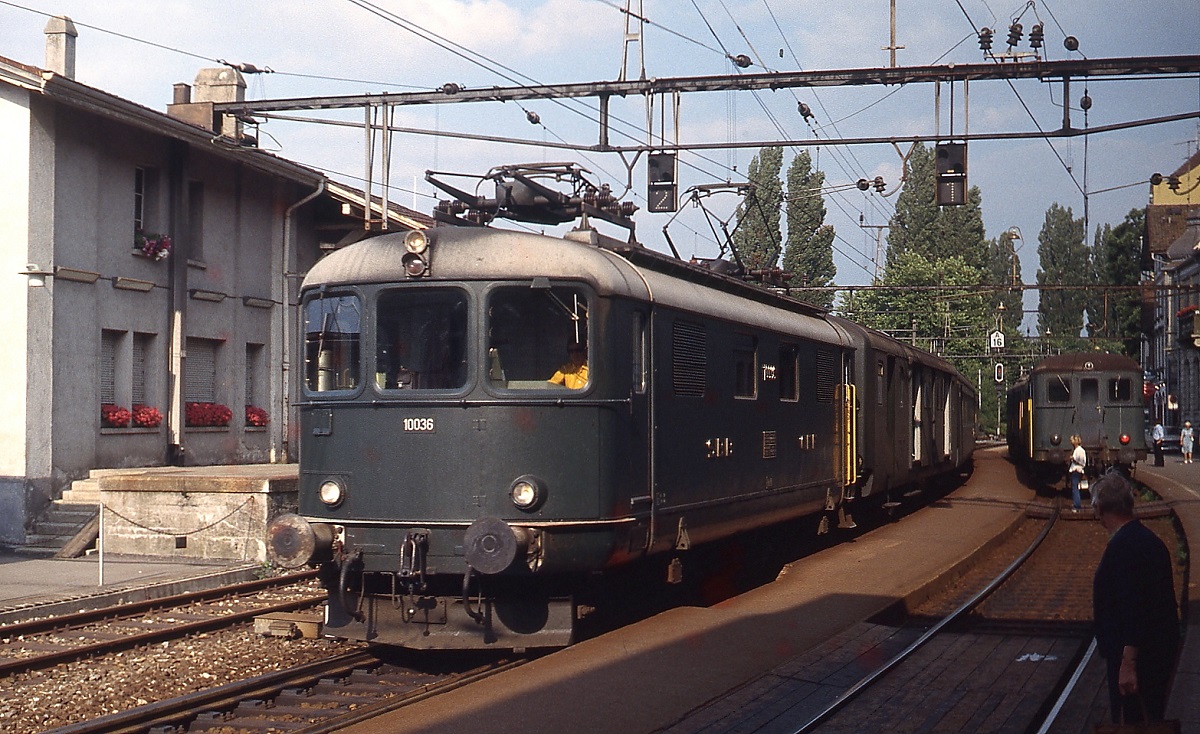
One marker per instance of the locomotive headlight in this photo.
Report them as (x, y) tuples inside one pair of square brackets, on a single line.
[(331, 492), (416, 242), (1056, 439), (414, 265), (527, 493)]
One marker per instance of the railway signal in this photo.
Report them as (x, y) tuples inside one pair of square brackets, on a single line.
[(999, 372), (951, 165), (661, 189)]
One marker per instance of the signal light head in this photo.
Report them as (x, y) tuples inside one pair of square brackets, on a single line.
[(1124, 439)]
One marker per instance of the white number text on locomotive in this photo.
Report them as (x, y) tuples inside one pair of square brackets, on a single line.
[(418, 425)]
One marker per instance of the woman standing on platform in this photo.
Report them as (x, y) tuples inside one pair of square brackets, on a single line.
[(1186, 439), (1076, 468)]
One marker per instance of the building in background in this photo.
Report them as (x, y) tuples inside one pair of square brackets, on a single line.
[(1171, 254), (150, 263)]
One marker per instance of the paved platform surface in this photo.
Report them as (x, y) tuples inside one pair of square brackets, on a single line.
[(649, 675), (1179, 485), (61, 585)]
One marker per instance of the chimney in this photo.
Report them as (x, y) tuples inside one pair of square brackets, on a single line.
[(60, 46), (221, 85), (194, 104)]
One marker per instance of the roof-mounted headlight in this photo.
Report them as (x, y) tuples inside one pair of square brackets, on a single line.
[(416, 242), (414, 265)]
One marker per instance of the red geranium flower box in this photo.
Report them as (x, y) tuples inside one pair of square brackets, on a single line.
[(207, 414), (145, 416), (256, 416), (114, 416)]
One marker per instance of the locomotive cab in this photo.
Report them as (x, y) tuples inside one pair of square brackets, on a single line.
[(426, 486)]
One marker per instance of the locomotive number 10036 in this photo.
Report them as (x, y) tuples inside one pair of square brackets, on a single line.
[(417, 425)]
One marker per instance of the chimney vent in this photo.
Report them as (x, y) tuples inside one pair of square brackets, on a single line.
[(183, 93), (60, 46)]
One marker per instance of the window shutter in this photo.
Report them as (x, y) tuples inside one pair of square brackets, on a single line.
[(108, 366), (200, 371), (140, 348)]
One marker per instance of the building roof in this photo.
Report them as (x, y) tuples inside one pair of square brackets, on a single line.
[(74, 94), (1185, 246), (398, 215)]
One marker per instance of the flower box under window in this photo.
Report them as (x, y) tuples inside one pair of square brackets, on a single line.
[(200, 415)]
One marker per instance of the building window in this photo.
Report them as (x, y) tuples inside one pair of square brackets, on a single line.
[(195, 243), (145, 201), (139, 199), (200, 373)]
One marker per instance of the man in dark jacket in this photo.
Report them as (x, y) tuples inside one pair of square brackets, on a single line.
[(1133, 605)]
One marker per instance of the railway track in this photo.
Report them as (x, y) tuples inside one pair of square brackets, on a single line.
[(310, 699), (42, 643), (1004, 649)]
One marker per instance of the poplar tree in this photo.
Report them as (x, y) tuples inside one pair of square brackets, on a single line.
[(1003, 270), (808, 255), (914, 223), (1065, 261), (1117, 313), (757, 239)]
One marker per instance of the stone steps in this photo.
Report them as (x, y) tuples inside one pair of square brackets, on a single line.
[(57, 526)]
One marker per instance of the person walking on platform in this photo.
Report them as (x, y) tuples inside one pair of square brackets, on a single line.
[(1158, 435), (1187, 437), (1133, 607), (1075, 470)]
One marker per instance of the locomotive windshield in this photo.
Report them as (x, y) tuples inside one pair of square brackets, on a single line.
[(537, 337), (421, 339), (332, 329)]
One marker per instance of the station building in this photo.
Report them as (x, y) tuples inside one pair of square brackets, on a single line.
[(150, 263), (1171, 251)]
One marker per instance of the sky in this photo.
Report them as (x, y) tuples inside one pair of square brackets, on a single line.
[(138, 50)]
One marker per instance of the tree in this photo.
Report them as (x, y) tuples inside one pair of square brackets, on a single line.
[(959, 231), (914, 223), (1002, 269), (1118, 254), (951, 318), (1065, 261), (920, 225), (757, 239), (809, 251)]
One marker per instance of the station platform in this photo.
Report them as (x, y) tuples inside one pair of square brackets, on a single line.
[(46, 586), (651, 675), (1179, 485)]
